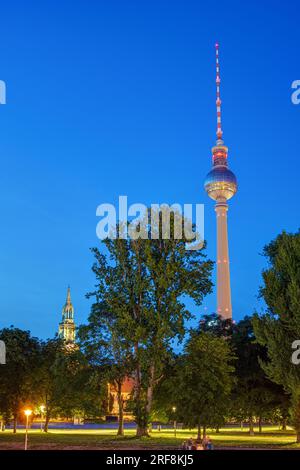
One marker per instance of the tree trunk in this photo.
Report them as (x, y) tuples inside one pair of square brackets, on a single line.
[(260, 425), (142, 425), (121, 409), (150, 389), (121, 424), (15, 423), (204, 431), (141, 428), (218, 430), (296, 415), (47, 420), (283, 426), (251, 426), (199, 431), (142, 431)]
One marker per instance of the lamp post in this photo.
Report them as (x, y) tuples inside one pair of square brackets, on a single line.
[(27, 414), (174, 411), (42, 408)]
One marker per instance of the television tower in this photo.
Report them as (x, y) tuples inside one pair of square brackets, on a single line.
[(220, 185)]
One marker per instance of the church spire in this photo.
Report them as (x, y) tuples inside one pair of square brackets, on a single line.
[(69, 296), (68, 309), (67, 326)]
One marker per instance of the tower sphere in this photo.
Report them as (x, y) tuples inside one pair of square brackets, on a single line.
[(220, 183)]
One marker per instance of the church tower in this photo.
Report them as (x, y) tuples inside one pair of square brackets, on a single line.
[(67, 326)]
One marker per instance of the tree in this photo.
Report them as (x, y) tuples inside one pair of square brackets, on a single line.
[(202, 382), (163, 398), (65, 382), (253, 395), (18, 374), (109, 353), (141, 284), (217, 325), (52, 379), (87, 386), (280, 325)]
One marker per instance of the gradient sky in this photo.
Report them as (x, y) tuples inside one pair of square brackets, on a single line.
[(109, 98)]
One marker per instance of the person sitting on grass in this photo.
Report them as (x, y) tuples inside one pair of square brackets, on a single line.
[(189, 444), (198, 445), (207, 444)]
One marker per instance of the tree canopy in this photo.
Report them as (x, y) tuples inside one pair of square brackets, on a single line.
[(139, 301), (279, 327)]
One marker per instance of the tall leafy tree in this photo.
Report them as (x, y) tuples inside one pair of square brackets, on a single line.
[(52, 380), (18, 374), (142, 284), (253, 395), (279, 327), (202, 382), (65, 382), (107, 351)]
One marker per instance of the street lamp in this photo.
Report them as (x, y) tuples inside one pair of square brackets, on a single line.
[(27, 414), (42, 408), (174, 411)]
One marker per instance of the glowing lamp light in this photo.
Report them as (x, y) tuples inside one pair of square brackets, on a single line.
[(27, 413)]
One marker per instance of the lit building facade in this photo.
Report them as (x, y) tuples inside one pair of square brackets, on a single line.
[(126, 392), (221, 185)]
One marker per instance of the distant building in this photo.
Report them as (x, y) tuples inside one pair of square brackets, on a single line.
[(113, 405), (67, 326)]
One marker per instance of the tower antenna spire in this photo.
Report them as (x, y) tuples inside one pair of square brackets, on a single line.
[(218, 101)]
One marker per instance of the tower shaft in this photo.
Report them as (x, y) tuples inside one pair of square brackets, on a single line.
[(223, 271)]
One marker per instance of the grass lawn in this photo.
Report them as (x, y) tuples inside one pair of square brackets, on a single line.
[(270, 438)]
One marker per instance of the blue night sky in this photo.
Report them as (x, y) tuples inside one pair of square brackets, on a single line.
[(109, 98)]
